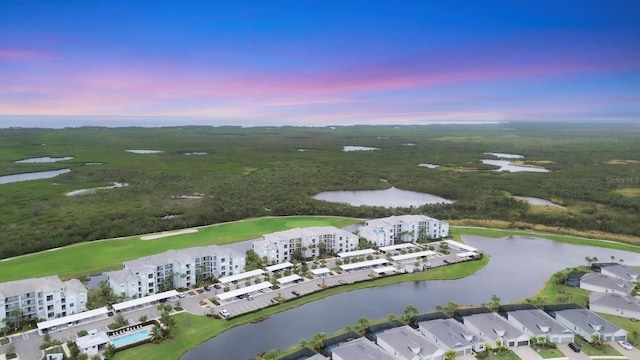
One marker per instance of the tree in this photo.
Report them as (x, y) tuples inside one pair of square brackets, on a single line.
[(156, 335), (589, 260), (317, 341), (449, 309), (271, 354), (494, 303), (597, 341), (363, 324), (613, 258), (110, 351), (303, 343), (450, 355), (409, 312), (634, 336)]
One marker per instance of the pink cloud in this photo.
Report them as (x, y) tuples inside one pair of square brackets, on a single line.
[(22, 55)]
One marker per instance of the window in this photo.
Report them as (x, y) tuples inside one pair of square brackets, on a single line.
[(150, 276)]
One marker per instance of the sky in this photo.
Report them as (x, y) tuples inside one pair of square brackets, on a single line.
[(317, 63)]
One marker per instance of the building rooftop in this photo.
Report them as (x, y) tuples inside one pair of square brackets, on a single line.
[(451, 333), (89, 341), (606, 282), (409, 343), (361, 349), (587, 320), (493, 326), (44, 284), (616, 301), (538, 322), (623, 271)]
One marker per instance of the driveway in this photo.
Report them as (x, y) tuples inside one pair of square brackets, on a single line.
[(526, 353), (634, 353), (572, 354)]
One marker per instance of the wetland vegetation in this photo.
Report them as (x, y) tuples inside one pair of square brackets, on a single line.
[(252, 172)]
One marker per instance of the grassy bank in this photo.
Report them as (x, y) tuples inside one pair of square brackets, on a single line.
[(193, 329), (98, 256)]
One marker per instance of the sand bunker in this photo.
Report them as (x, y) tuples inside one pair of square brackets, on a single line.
[(168, 233)]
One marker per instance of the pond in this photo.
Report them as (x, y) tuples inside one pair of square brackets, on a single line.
[(537, 201), (505, 155), (429, 166), (45, 159), (93, 190), (518, 268), (6, 179), (389, 198), (506, 165), (145, 151), (348, 148)]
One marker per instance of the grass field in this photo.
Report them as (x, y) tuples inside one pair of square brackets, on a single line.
[(94, 257), (200, 328)]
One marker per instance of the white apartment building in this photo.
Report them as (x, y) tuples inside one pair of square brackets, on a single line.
[(405, 228), (174, 269), (42, 298), (278, 247)]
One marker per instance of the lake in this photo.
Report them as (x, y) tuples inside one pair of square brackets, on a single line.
[(537, 201), (389, 198), (506, 165), (519, 267), (6, 179), (505, 155), (45, 159), (349, 148), (145, 151)]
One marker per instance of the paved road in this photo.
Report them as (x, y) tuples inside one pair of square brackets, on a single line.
[(526, 353)]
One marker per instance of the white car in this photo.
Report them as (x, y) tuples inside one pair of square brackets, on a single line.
[(224, 313), (625, 344)]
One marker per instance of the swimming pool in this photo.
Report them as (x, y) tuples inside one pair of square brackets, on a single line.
[(130, 338)]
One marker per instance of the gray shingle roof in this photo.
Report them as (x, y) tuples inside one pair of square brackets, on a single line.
[(451, 333), (408, 342), (605, 281), (588, 321), (19, 287), (493, 326), (615, 301), (538, 322), (623, 271), (361, 349)]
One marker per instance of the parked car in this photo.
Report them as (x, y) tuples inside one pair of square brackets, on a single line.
[(224, 313), (342, 282), (296, 292), (625, 344), (217, 286), (445, 261), (181, 295), (263, 290), (207, 288), (575, 347)]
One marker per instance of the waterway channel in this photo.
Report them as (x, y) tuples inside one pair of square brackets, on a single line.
[(518, 268)]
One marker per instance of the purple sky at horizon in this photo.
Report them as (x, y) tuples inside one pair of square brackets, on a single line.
[(317, 62)]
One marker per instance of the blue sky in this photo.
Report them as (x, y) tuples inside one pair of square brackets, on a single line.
[(317, 63)]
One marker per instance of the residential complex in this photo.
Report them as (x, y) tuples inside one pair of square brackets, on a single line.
[(536, 323), (41, 298), (174, 269), (308, 242), (404, 228)]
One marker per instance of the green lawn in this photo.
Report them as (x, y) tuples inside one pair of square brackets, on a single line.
[(507, 355), (94, 257), (591, 351), (199, 328), (548, 353), (553, 293)]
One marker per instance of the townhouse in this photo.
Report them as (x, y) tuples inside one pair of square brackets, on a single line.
[(615, 304), (496, 329), (400, 229), (448, 334), (405, 343), (41, 298), (174, 269), (282, 246), (598, 282), (536, 323), (587, 324)]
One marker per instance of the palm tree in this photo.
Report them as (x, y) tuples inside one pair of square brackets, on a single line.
[(317, 341), (589, 260), (156, 335), (363, 324), (450, 355), (303, 343)]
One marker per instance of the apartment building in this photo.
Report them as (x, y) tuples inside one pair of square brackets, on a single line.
[(174, 269), (279, 247), (42, 298), (405, 228)]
